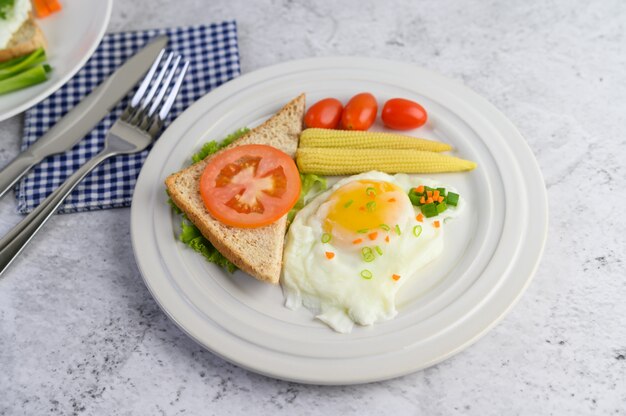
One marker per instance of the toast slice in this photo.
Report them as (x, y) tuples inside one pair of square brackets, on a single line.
[(256, 251), (27, 39)]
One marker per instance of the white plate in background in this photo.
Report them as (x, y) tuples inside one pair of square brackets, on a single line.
[(72, 35), (490, 257)]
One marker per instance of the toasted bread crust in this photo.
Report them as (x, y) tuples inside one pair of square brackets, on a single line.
[(28, 38), (256, 251)]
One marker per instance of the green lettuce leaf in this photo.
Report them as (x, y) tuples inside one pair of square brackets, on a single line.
[(192, 237), (212, 147), (310, 182)]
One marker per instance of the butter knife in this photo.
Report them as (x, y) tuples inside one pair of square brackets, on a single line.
[(81, 119)]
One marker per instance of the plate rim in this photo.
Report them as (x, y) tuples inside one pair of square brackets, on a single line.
[(53, 87), (264, 72)]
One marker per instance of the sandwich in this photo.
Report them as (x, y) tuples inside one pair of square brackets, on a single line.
[(19, 33), (256, 251)]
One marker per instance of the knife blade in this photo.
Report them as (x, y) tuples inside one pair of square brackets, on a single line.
[(81, 119)]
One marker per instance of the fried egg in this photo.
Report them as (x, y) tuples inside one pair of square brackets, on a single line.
[(352, 247)]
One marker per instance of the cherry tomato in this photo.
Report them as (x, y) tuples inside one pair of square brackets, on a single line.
[(324, 114), (360, 112), (250, 186), (402, 114)]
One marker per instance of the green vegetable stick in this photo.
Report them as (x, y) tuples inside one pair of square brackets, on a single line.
[(35, 58), (12, 62), (30, 77)]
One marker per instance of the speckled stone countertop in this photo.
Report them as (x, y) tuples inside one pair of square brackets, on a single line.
[(80, 334)]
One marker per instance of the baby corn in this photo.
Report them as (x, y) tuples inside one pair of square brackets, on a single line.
[(329, 161), (353, 139)]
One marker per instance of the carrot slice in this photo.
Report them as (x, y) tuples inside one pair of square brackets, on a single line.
[(391, 200), (373, 236), (420, 189), (422, 200), (437, 224), (53, 5), (387, 239), (41, 8), (429, 194), (330, 255), (429, 200), (436, 194), (357, 241), (440, 199), (395, 277), (420, 217)]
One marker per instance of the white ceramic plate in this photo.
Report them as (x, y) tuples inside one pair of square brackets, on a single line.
[(491, 254), (72, 35)]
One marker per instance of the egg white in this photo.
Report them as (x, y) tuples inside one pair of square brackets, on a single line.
[(333, 289)]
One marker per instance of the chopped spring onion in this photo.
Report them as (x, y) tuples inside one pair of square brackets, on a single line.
[(366, 274), (367, 254), (326, 238), (415, 197), (417, 230), (370, 191), (362, 231), (429, 210), (432, 201), (384, 227), (371, 206), (379, 250), (398, 230), (347, 204), (452, 199)]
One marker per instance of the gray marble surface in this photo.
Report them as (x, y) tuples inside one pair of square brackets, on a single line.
[(80, 334)]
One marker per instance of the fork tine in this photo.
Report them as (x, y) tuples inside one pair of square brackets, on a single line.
[(169, 101), (146, 81), (157, 81), (157, 101)]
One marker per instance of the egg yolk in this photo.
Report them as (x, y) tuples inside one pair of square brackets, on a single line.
[(362, 207)]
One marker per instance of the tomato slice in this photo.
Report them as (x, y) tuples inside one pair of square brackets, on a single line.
[(250, 186)]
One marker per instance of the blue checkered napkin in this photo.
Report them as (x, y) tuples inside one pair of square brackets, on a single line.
[(213, 52)]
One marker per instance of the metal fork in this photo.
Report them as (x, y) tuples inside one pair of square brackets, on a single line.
[(137, 127)]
